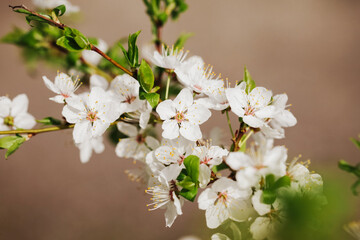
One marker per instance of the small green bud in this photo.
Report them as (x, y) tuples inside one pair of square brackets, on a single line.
[(9, 121)]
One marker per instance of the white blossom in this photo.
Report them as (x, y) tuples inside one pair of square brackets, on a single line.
[(303, 179), (91, 114), (281, 118), (209, 156), (13, 113), (225, 200), (63, 85), (88, 146), (163, 190), (93, 57), (216, 98), (256, 162), (137, 145), (264, 228), (50, 4), (182, 116), (193, 75), (254, 107), (174, 151), (169, 58), (125, 90)]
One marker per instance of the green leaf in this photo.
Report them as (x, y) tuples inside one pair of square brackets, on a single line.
[(155, 89), (356, 142), (11, 143), (59, 10), (49, 121), (250, 83), (30, 18), (146, 76), (268, 196), (14, 36), (192, 165), (269, 181), (343, 165), (153, 99), (133, 51), (189, 194), (162, 17), (220, 167), (284, 181), (73, 40), (180, 42), (187, 183), (355, 186), (69, 44), (20, 10)]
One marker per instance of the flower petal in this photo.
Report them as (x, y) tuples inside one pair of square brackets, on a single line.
[(171, 129), (237, 100), (183, 100), (50, 85), (19, 105), (82, 131), (253, 121), (5, 105), (190, 131), (127, 129), (198, 114), (25, 121), (98, 81), (166, 109)]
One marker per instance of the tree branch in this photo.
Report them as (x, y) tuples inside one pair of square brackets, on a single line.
[(62, 27)]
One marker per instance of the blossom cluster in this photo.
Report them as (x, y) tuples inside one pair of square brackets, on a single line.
[(242, 183)]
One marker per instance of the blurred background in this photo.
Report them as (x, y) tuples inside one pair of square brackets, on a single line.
[(308, 49)]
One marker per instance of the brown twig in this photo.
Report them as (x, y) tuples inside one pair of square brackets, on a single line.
[(62, 27)]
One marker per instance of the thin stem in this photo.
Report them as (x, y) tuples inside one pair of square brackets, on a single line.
[(167, 86), (44, 130), (229, 123), (36, 131), (158, 40), (62, 27), (95, 49), (241, 143)]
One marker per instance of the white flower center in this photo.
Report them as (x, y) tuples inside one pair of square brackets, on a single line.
[(249, 111), (179, 117), (222, 198), (92, 116)]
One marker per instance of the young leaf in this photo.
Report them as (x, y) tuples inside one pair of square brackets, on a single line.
[(50, 121), (356, 142), (189, 194), (343, 165), (59, 10), (192, 165), (187, 183), (180, 42), (269, 181), (69, 44), (153, 99), (284, 181), (250, 83), (133, 51), (268, 196), (11, 143), (146, 76)]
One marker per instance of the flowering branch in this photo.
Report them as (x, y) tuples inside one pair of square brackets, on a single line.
[(36, 131), (62, 27), (44, 130)]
